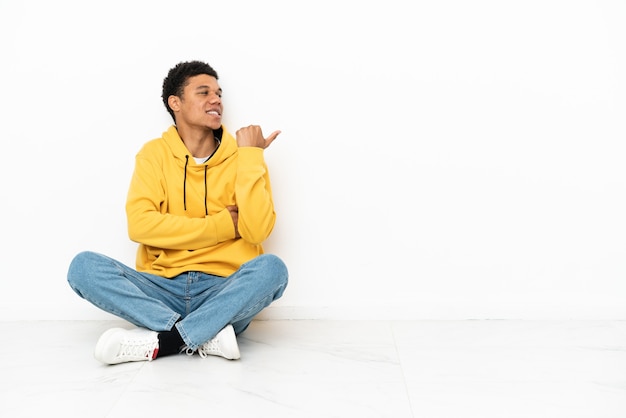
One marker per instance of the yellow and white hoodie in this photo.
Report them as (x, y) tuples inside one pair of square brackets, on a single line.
[(176, 208)]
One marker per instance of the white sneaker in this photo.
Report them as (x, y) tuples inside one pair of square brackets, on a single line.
[(224, 344), (119, 345)]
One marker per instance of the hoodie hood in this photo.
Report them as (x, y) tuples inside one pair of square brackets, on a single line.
[(226, 149)]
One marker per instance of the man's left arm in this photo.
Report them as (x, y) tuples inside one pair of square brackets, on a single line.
[(255, 204)]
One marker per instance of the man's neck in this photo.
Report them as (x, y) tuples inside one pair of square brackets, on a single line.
[(201, 144)]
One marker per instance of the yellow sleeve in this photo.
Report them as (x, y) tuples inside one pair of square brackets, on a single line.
[(254, 196)]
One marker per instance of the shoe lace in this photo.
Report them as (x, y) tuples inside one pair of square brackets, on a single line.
[(209, 348), (139, 349)]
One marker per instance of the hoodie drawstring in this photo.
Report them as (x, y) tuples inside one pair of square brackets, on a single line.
[(206, 167), (185, 183), (206, 209)]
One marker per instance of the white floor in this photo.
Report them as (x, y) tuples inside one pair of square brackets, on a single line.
[(426, 369)]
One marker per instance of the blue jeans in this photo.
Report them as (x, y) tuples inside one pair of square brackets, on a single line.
[(204, 303)]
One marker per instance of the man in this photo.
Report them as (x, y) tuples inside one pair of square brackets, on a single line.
[(200, 206)]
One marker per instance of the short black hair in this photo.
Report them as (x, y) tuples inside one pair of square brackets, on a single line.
[(178, 76)]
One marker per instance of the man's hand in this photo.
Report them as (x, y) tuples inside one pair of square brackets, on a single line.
[(234, 213), (252, 136)]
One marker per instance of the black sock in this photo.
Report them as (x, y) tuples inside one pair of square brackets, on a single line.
[(170, 342)]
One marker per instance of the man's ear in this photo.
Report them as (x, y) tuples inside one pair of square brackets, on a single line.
[(174, 103)]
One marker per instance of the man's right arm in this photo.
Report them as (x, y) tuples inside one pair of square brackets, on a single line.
[(148, 225)]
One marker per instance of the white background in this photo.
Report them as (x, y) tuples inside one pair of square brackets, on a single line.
[(439, 159)]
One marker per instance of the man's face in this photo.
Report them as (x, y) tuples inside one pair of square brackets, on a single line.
[(201, 104)]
